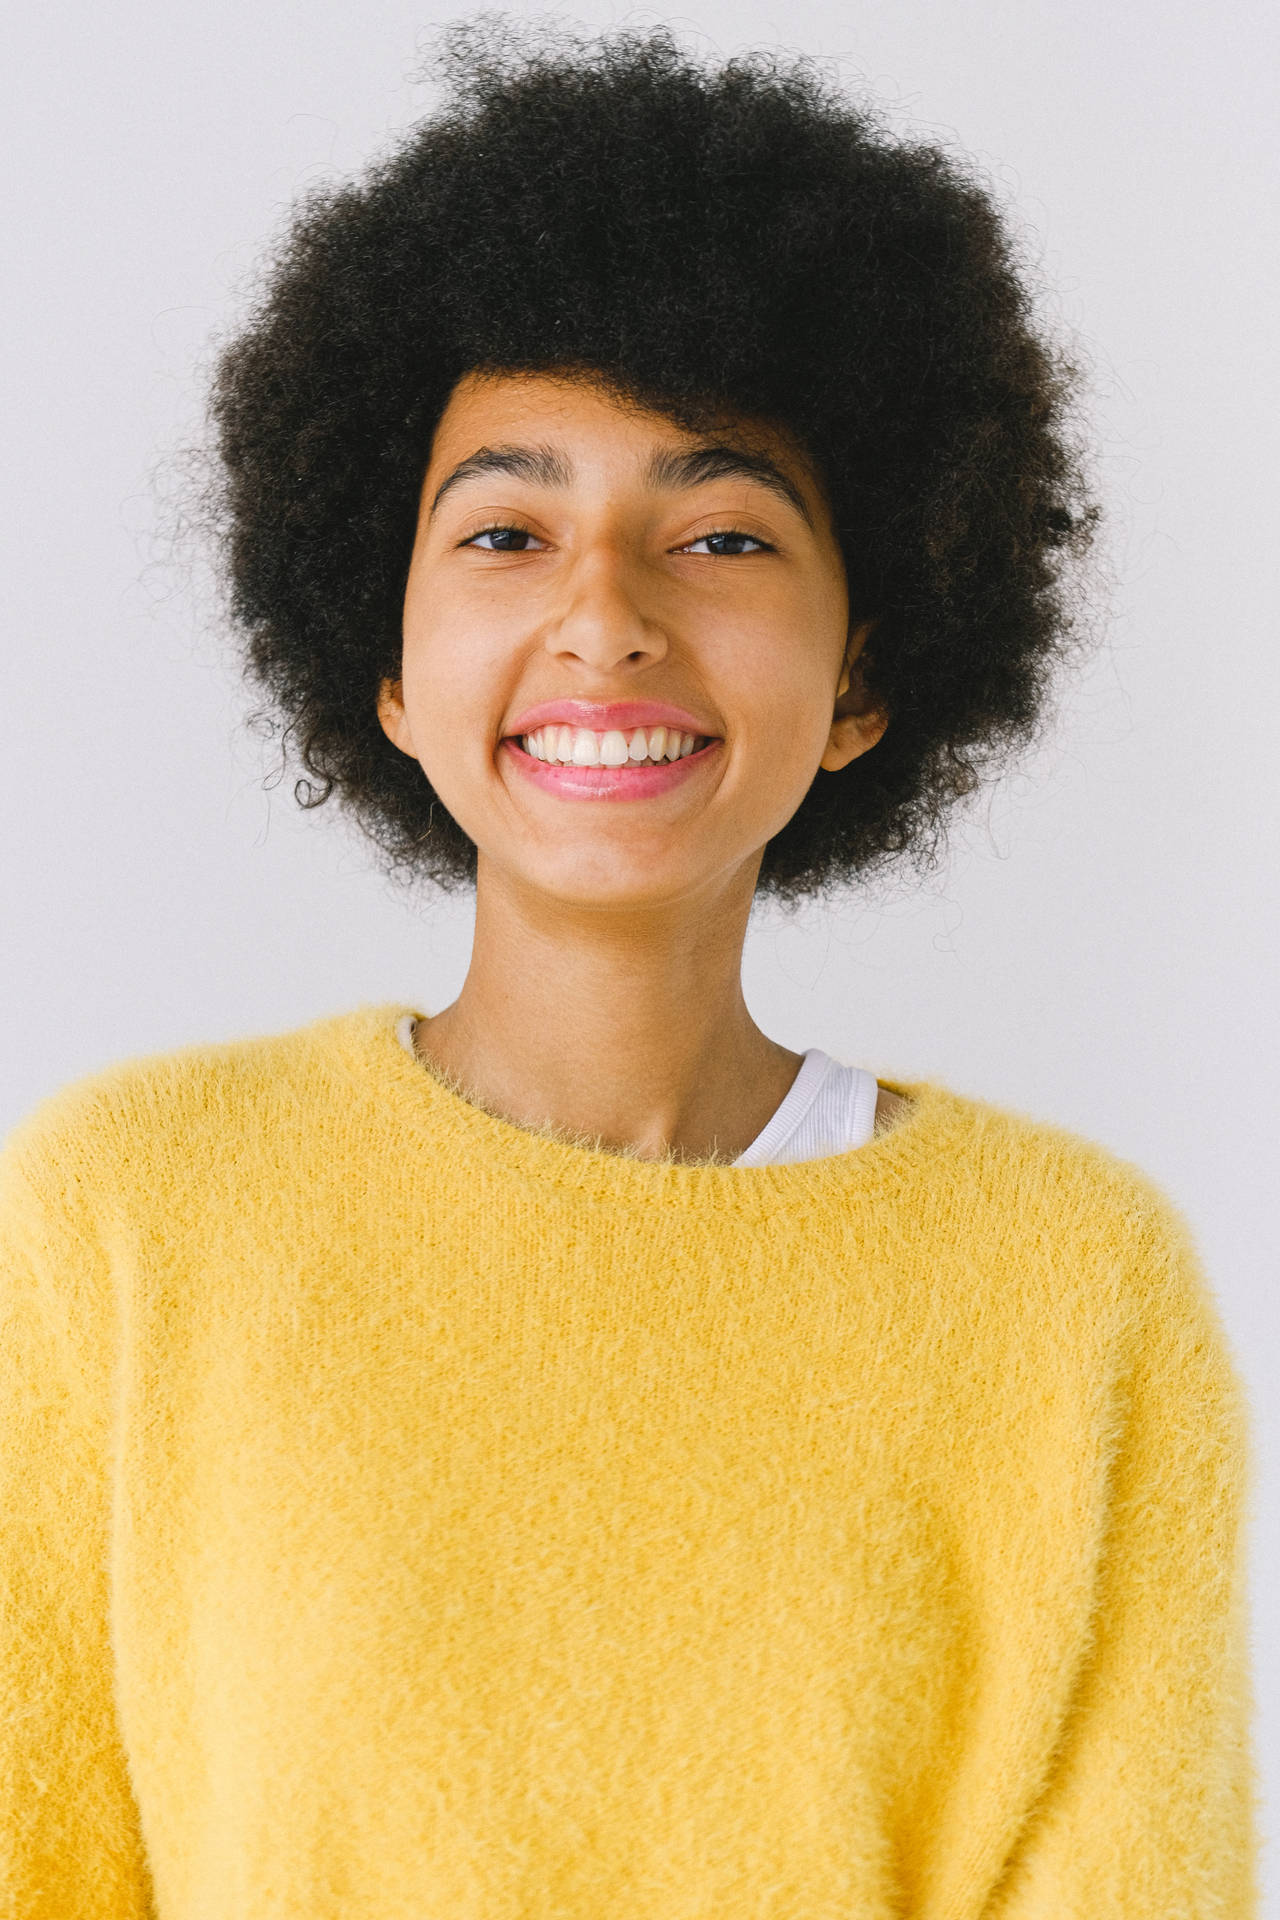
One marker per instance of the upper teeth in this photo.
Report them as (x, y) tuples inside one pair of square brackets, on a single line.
[(578, 747)]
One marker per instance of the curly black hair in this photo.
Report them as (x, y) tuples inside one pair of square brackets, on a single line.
[(742, 242)]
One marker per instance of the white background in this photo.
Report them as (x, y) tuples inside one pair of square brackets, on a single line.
[(1100, 950)]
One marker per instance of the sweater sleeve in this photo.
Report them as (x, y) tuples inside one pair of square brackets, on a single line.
[(70, 1840), (1150, 1807)]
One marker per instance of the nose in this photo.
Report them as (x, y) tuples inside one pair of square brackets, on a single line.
[(602, 619)]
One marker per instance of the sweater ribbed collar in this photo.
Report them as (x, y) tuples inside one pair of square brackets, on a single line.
[(366, 1042)]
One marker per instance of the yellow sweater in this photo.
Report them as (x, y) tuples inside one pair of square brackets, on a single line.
[(411, 1516)]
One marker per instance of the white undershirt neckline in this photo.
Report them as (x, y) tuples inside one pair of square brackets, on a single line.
[(829, 1108)]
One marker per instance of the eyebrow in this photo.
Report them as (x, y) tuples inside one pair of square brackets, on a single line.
[(545, 467)]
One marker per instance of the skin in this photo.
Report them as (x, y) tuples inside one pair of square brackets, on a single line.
[(603, 999)]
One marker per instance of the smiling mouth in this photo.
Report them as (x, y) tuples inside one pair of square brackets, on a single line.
[(634, 779), (687, 742)]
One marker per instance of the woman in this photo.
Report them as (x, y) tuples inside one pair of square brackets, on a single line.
[(564, 1452)]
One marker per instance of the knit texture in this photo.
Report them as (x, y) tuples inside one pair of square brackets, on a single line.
[(412, 1516)]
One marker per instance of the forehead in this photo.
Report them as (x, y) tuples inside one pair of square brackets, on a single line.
[(485, 406)]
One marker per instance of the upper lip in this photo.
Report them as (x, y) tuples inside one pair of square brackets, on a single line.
[(602, 717)]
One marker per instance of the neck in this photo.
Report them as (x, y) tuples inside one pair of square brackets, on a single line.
[(630, 1031)]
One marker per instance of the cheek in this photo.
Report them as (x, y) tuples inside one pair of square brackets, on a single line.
[(440, 657), (454, 696), (780, 685)]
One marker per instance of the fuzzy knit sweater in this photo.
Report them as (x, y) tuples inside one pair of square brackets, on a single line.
[(412, 1516)]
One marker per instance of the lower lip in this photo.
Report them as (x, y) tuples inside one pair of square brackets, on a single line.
[(608, 783)]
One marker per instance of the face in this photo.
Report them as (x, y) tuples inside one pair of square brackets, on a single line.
[(576, 556)]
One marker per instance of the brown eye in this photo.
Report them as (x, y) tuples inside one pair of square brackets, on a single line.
[(502, 537), (732, 550)]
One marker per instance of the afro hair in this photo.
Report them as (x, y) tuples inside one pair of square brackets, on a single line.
[(742, 241)]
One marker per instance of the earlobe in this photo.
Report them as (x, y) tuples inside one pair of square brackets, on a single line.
[(391, 716), (852, 734)]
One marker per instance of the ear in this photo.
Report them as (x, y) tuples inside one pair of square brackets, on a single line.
[(391, 716), (857, 723)]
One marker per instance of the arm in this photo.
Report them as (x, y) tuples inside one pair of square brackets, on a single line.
[(70, 1842), (1150, 1808)]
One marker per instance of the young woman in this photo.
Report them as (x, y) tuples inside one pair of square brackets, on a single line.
[(565, 1453)]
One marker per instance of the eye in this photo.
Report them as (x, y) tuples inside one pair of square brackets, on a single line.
[(501, 536), (733, 551)]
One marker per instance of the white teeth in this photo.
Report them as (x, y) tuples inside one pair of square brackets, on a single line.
[(580, 747)]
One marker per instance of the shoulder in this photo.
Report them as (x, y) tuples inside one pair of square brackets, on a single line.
[(115, 1130), (1051, 1236), (985, 1174), (1004, 1148)]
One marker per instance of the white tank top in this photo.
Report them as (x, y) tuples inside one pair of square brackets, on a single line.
[(829, 1109)]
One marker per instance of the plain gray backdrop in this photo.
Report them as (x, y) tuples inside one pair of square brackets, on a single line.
[(1100, 949)]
